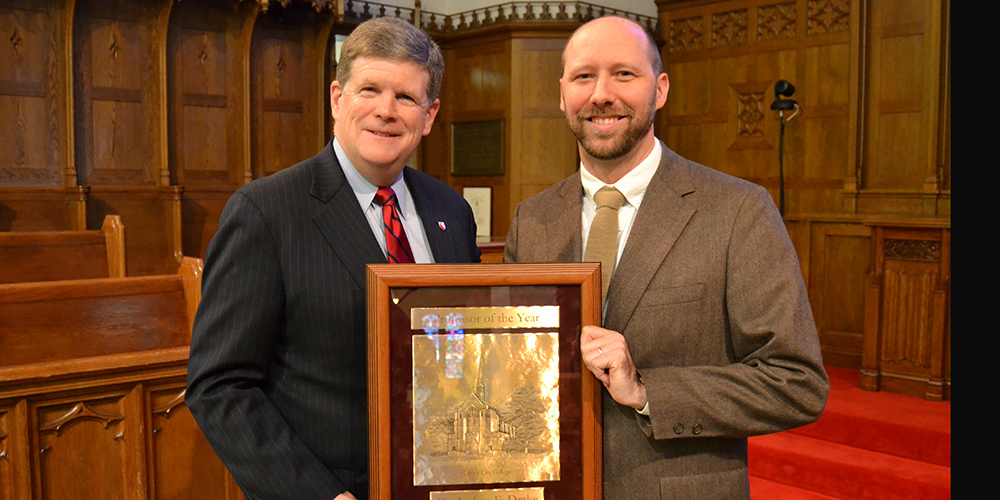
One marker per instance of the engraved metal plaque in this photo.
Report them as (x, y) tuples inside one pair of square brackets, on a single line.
[(476, 378), (477, 148), (485, 407)]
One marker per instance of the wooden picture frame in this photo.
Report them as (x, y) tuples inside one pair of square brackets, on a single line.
[(398, 294)]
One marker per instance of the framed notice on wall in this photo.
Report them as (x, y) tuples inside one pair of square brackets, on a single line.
[(477, 148), (477, 390)]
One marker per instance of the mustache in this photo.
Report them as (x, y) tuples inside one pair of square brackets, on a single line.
[(594, 112)]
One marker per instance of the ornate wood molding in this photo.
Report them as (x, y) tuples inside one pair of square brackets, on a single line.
[(509, 13), (319, 5)]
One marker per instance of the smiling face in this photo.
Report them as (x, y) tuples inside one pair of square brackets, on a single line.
[(381, 114), (610, 93)]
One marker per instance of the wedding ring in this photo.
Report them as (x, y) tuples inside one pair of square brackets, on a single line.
[(600, 351)]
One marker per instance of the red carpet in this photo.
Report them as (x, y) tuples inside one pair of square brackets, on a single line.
[(867, 445)]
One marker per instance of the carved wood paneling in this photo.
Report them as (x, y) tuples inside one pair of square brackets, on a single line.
[(87, 447), (14, 457), (182, 460), (723, 59), (907, 311)]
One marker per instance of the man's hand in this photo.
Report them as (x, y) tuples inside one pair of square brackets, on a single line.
[(606, 355), (345, 496)]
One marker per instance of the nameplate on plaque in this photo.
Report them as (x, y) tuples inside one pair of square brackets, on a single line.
[(501, 494), (450, 318)]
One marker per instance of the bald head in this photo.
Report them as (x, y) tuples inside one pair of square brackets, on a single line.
[(613, 26)]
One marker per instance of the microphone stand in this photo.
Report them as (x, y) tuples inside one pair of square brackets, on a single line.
[(783, 88)]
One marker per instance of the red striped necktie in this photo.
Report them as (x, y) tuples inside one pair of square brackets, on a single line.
[(396, 245)]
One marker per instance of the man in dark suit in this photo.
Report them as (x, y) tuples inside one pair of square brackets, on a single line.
[(707, 335), (277, 376)]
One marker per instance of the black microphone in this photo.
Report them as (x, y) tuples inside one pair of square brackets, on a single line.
[(783, 88)]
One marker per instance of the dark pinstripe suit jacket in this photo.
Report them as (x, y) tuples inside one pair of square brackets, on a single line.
[(710, 298), (277, 373)]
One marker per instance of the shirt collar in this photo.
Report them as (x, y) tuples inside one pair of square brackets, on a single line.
[(363, 188), (633, 184)]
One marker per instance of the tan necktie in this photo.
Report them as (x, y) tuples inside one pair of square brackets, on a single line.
[(602, 243)]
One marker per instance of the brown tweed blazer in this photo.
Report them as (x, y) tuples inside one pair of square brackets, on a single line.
[(710, 298)]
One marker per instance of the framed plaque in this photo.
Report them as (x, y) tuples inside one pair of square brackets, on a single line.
[(476, 386)]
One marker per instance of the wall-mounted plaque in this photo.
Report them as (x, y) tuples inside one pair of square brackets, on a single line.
[(477, 148), (476, 385)]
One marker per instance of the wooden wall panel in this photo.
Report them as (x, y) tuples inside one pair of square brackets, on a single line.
[(34, 79), (476, 86), (208, 76), (288, 86), (546, 151), (839, 263), (513, 76), (119, 94), (902, 165), (37, 176), (43, 208), (208, 56)]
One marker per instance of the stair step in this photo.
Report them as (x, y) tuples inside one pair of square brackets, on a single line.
[(894, 424), (762, 489), (842, 471)]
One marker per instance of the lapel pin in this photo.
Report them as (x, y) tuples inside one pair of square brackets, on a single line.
[(442, 226)]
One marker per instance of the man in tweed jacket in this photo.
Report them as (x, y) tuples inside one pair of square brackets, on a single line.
[(707, 336)]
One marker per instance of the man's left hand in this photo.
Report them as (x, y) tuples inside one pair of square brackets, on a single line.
[(606, 355)]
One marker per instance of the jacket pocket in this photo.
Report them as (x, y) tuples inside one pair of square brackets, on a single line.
[(725, 485), (672, 295)]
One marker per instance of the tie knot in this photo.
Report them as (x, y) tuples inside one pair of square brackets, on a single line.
[(610, 197), (384, 195)]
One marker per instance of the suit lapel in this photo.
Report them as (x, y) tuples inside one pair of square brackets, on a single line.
[(662, 217), (563, 241), (341, 220), (432, 214)]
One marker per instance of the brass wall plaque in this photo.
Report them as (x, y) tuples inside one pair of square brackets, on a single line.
[(477, 148), (450, 318), (501, 494)]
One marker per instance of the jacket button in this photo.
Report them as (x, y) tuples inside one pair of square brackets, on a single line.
[(696, 429), (679, 429)]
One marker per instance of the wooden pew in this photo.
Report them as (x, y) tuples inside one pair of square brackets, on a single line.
[(92, 380), (33, 256)]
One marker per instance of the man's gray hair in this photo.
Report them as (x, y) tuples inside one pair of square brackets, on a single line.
[(392, 38)]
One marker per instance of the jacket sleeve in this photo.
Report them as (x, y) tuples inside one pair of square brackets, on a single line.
[(232, 347), (776, 379)]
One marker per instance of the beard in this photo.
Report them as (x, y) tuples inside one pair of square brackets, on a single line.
[(612, 145)]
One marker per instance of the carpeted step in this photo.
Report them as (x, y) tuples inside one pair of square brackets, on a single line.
[(762, 489), (888, 423), (846, 472)]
